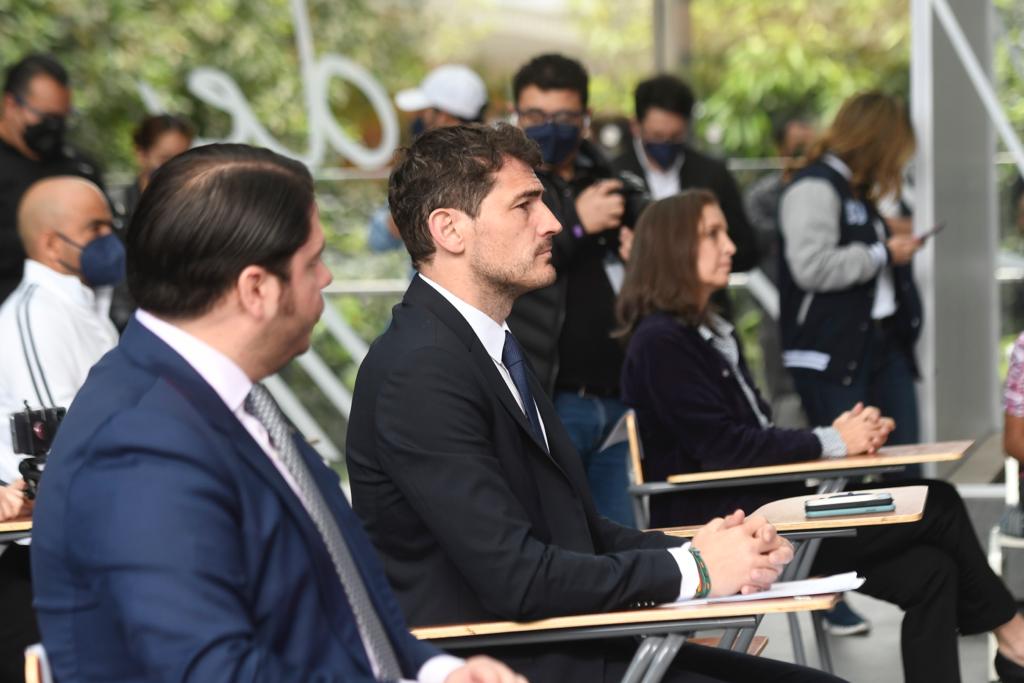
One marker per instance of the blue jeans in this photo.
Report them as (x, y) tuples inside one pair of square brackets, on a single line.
[(885, 380), (589, 419)]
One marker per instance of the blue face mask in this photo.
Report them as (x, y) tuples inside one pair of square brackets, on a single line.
[(664, 153), (102, 261), (418, 127), (556, 140)]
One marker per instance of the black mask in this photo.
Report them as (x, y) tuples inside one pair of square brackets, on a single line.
[(46, 138)]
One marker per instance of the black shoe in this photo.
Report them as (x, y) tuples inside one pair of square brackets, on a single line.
[(1008, 671)]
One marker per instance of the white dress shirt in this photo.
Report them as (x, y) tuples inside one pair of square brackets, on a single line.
[(492, 336), (53, 330), (232, 385), (661, 183)]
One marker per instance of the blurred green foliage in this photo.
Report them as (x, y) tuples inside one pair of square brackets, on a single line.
[(110, 45)]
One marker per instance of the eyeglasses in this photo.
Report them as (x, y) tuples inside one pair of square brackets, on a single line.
[(70, 117), (538, 117)]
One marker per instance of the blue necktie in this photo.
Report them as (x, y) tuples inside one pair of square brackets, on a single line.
[(512, 358)]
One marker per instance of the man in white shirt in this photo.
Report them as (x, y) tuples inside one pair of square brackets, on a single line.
[(464, 475), (183, 531), (53, 328)]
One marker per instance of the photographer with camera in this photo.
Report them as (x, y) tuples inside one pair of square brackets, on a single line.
[(53, 327), (565, 329)]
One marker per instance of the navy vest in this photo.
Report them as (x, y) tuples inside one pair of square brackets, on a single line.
[(828, 331)]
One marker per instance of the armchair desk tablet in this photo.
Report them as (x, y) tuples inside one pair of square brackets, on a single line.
[(15, 529), (664, 629)]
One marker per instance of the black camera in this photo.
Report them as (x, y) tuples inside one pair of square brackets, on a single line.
[(634, 192), (32, 433)]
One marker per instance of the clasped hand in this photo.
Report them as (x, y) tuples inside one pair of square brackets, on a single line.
[(863, 429), (742, 554)]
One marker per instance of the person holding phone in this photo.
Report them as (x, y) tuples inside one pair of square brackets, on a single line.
[(698, 409), (850, 312)]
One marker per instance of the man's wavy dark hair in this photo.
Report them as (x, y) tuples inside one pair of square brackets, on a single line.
[(450, 168)]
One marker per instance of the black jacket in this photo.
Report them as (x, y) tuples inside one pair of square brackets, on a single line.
[(538, 318), (17, 174), (694, 417), (473, 519), (836, 324), (702, 171)]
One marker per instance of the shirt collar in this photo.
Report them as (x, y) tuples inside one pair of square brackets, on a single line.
[(838, 165), (220, 372), (716, 326), (69, 286), (641, 155), (490, 333)]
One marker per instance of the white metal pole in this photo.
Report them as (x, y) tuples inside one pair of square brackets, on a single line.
[(980, 80), (922, 83)]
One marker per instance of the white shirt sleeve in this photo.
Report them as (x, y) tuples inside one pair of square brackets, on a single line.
[(688, 568), (438, 668)]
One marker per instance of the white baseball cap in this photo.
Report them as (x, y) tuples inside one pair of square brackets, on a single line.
[(452, 88)]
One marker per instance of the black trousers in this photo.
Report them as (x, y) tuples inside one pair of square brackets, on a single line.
[(17, 619), (605, 661), (936, 571)]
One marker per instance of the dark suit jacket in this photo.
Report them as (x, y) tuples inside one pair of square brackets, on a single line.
[(167, 547), (474, 520), (693, 417), (702, 171)]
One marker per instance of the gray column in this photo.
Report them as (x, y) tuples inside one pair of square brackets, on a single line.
[(956, 186)]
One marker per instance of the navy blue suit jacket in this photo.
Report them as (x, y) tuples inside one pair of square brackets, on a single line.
[(694, 417), (167, 547)]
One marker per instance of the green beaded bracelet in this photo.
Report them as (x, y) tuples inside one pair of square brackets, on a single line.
[(704, 587)]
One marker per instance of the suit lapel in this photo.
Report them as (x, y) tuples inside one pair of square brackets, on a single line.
[(421, 293), (148, 350)]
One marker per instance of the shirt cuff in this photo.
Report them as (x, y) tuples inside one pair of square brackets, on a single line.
[(879, 254), (438, 668), (688, 569), (832, 445)]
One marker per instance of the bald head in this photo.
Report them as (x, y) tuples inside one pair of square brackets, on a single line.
[(67, 206)]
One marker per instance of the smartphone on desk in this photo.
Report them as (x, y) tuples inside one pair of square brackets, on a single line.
[(850, 503)]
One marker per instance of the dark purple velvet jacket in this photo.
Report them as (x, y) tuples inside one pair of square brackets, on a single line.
[(693, 416)]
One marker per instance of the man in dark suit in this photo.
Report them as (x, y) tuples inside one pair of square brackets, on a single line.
[(183, 532), (661, 156), (460, 468)]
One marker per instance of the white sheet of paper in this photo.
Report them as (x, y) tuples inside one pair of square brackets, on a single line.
[(837, 583)]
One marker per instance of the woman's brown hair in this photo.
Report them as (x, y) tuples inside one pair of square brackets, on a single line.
[(872, 134), (662, 271)]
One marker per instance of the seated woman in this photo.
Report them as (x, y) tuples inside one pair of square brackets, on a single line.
[(698, 409)]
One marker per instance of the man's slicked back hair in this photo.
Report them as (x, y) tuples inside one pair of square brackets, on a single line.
[(208, 214), (552, 72), (450, 168)]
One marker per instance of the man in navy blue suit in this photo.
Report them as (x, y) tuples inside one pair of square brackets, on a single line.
[(183, 532)]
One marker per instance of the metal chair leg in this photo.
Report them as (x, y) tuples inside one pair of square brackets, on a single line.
[(799, 656), (642, 659), (663, 657), (824, 655)]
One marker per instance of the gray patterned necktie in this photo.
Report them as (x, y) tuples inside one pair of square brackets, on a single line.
[(260, 404)]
